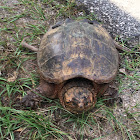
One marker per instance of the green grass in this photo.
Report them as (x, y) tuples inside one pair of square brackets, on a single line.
[(31, 20), (33, 125)]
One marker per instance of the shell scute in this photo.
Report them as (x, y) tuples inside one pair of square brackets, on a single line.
[(78, 49)]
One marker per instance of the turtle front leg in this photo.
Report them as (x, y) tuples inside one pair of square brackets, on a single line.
[(34, 96), (109, 92), (100, 88)]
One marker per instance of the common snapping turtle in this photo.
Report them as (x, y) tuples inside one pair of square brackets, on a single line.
[(77, 60)]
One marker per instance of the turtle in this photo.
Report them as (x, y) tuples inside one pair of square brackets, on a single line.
[(77, 61)]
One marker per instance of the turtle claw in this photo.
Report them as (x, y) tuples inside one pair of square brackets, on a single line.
[(31, 100), (111, 95)]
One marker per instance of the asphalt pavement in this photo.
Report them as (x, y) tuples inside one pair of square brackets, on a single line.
[(120, 17)]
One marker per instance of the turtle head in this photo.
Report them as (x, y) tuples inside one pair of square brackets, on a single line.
[(78, 99)]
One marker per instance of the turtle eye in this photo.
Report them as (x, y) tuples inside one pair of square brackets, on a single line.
[(86, 104), (74, 104)]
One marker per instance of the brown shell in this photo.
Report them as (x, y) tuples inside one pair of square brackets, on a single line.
[(78, 49)]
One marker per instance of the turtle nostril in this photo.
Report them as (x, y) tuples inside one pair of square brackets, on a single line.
[(80, 105)]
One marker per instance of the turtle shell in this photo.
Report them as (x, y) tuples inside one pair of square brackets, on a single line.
[(78, 49)]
